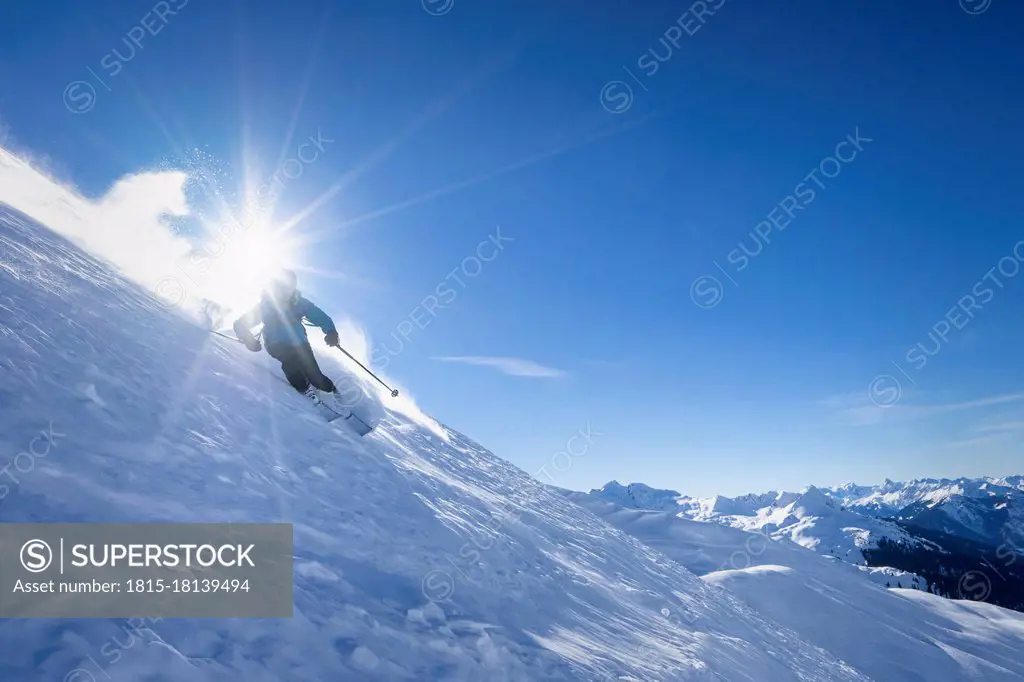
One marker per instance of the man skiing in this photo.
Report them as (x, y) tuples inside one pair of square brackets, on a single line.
[(281, 310)]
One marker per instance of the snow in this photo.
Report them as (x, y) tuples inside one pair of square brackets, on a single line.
[(844, 521), (892, 496), (811, 518), (986, 510), (905, 635), (639, 496), (419, 555)]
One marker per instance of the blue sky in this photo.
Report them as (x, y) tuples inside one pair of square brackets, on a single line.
[(619, 185)]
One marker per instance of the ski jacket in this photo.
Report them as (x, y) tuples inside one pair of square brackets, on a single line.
[(282, 323)]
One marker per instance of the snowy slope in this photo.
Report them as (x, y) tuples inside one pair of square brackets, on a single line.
[(419, 555), (904, 635)]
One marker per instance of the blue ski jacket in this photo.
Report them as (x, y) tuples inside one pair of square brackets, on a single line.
[(282, 323)]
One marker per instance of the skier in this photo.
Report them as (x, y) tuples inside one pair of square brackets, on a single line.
[(281, 310)]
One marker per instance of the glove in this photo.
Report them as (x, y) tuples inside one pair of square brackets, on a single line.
[(253, 345), (331, 338)]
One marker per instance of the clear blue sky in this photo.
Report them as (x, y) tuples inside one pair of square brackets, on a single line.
[(450, 119)]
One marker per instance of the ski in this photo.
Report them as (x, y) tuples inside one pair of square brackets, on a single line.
[(326, 411), (331, 415), (354, 422)]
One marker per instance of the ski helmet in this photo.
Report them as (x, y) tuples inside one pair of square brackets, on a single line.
[(283, 286)]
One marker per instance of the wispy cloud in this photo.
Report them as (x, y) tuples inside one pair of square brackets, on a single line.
[(514, 366), (998, 430), (858, 409), (1014, 426)]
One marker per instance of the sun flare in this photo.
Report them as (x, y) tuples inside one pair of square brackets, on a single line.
[(239, 265)]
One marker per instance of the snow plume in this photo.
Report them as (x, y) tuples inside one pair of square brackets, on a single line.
[(129, 227), (132, 226), (126, 227), (356, 341)]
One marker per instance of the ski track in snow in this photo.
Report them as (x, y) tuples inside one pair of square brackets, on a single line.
[(156, 421)]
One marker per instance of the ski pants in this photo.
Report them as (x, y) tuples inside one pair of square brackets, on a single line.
[(299, 365)]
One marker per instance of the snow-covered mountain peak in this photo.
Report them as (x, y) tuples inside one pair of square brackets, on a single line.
[(812, 501), (1010, 481), (719, 505), (853, 489), (637, 496)]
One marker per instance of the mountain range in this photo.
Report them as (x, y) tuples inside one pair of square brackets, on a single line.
[(960, 537)]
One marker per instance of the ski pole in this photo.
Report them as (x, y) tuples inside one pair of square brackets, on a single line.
[(394, 392), (230, 338)]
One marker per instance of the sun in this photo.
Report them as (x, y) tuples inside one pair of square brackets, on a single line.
[(243, 262)]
